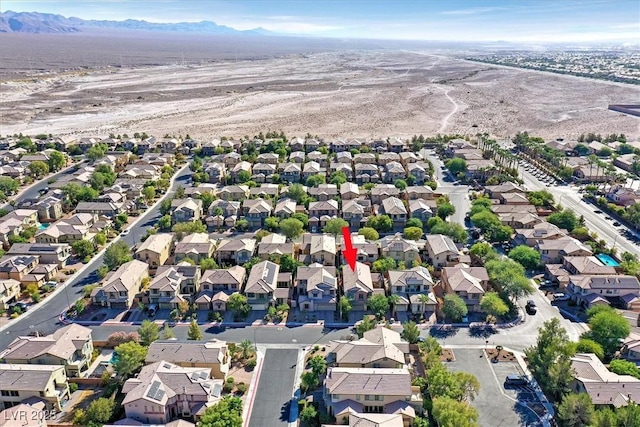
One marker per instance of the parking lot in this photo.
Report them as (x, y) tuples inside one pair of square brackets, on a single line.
[(496, 405)]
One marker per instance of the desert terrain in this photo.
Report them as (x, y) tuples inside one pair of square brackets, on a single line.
[(348, 93)]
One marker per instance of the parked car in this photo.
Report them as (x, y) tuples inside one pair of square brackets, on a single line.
[(22, 306), (531, 307), (516, 380), (125, 232), (616, 224), (560, 296)]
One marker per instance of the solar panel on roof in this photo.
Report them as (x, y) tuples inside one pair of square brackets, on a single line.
[(155, 386), (159, 395), (217, 390)]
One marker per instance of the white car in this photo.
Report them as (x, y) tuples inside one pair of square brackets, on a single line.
[(560, 297), (125, 232)]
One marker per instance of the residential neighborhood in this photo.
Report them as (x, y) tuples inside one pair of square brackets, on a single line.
[(171, 235)]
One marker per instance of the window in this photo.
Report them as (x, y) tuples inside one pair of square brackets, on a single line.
[(251, 295), (368, 397), (11, 393), (336, 397)]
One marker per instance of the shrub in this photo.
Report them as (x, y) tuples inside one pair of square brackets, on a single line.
[(251, 364), (242, 388), (73, 387)]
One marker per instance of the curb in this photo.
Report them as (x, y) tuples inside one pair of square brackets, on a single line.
[(253, 389), (82, 269)]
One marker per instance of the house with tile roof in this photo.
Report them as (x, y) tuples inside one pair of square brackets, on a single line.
[(162, 391), (604, 387), (317, 287), (414, 288), (358, 285), (46, 383), (318, 248), (212, 354), (155, 250), (587, 290), (469, 283), (441, 250), (235, 251), (378, 348), (196, 246), (400, 249), (262, 284), (70, 346), (121, 286), (371, 390)]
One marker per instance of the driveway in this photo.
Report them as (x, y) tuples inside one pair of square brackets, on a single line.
[(275, 388), (494, 406)]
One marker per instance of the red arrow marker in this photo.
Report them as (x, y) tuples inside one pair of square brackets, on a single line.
[(349, 252)]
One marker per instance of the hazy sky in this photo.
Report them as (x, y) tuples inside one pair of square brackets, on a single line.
[(473, 20)]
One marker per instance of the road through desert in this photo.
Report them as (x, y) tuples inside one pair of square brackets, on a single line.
[(368, 93)]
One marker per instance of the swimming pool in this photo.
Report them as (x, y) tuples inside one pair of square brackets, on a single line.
[(43, 226), (608, 260)]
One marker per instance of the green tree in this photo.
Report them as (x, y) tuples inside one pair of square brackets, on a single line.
[(527, 256), (117, 254), (8, 186), (226, 413), (208, 264), (194, 333), (99, 412), (382, 265), (414, 222), (456, 165), (302, 217), (454, 307), (483, 251), (291, 227), (624, 367), (456, 231), (164, 223), (549, 359), (315, 180), (297, 193), (608, 328), (149, 193), (401, 184), (38, 169), (492, 304), (380, 223), (412, 233), (192, 227), (271, 223), (83, 248), (451, 413), (131, 356), (585, 345), (410, 332), (149, 332), (243, 176), (566, 219), (445, 210), (237, 303), (334, 226), (318, 365), (95, 152), (378, 304), (309, 415), (167, 332), (100, 239), (541, 198), (576, 410), (247, 348), (309, 381), (344, 307), (56, 161), (369, 233), (288, 264), (366, 324), (338, 178)]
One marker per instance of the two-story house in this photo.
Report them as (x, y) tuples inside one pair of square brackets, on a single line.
[(317, 287), (393, 172), (383, 191), (414, 287), (216, 282), (163, 391), (256, 211), (358, 285), (441, 250), (420, 209), (186, 210), (262, 284), (42, 382), (235, 251), (318, 248), (394, 208), (400, 249), (323, 192), (213, 354), (469, 283), (70, 346), (588, 290), (234, 192), (120, 288), (155, 250), (291, 173), (196, 246), (47, 253), (356, 212), (321, 212)]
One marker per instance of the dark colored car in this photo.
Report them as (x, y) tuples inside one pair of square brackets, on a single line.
[(516, 380)]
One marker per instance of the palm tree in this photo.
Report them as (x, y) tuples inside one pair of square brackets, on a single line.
[(393, 300), (424, 299), (246, 347)]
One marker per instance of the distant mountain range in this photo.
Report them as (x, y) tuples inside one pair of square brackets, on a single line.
[(35, 22)]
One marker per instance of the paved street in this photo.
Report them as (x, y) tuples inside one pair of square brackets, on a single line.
[(33, 192), (273, 397), (458, 194), (44, 316)]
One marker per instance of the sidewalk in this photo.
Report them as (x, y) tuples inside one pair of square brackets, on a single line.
[(72, 278)]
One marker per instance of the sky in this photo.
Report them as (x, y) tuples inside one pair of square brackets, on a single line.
[(456, 20)]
